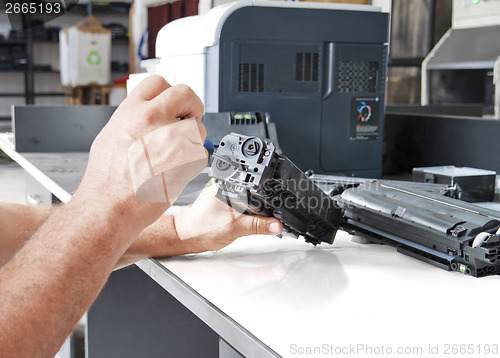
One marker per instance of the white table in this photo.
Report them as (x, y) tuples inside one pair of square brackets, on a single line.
[(267, 296)]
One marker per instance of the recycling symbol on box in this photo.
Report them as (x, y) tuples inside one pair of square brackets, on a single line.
[(94, 58)]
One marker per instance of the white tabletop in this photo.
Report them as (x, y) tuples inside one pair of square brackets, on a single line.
[(60, 173), (293, 297), (268, 296)]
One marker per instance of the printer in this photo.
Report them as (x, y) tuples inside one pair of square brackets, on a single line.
[(318, 69)]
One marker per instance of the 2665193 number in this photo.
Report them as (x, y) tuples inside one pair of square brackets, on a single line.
[(33, 8), (471, 349)]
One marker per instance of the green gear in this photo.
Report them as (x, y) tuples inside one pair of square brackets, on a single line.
[(94, 58)]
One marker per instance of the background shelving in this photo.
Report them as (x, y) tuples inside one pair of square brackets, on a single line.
[(45, 69)]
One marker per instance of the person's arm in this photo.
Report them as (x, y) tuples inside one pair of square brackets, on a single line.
[(207, 225), (17, 224), (204, 226), (50, 282)]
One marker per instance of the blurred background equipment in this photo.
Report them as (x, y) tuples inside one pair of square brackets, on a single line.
[(464, 65), (30, 54), (318, 69)]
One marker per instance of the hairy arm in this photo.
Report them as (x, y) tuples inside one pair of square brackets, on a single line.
[(68, 259), (57, 274), (64, 255), (50, 282), (17, 224), (207, 225)]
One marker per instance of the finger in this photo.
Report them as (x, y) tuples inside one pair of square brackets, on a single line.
[(190, 129), (251, 225), (180, 101), (149, 88), (203, 132)]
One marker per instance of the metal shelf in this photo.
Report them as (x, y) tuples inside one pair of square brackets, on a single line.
[(406, 62), (9, 42), (11, 94), (36, 94), (48, 94), (30, 72)]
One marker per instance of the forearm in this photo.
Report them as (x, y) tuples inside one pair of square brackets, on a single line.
[(157, 240), (18, 223), (50, 282), (207, 225), (57, 274)]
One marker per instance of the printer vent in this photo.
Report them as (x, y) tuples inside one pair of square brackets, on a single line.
[(277, 68), (251, 77), (306, 66), (357, 76)]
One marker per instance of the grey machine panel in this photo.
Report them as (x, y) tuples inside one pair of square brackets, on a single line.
[(472, 48), (135, 317), (414, 140), (314, 71), (58, 129)]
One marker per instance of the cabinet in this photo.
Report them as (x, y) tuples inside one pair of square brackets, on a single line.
[(29, 67)]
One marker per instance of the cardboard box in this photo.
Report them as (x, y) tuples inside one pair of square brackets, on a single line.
[(85, 54)]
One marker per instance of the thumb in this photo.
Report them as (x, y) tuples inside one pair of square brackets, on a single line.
[(252, 224)]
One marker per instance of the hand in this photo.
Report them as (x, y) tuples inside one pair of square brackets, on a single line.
[(152, 105), (209, 224)]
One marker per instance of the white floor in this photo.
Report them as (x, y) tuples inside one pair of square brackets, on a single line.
[(12, 182)]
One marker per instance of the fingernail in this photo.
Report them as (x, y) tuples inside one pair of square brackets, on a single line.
[(274, 228)]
